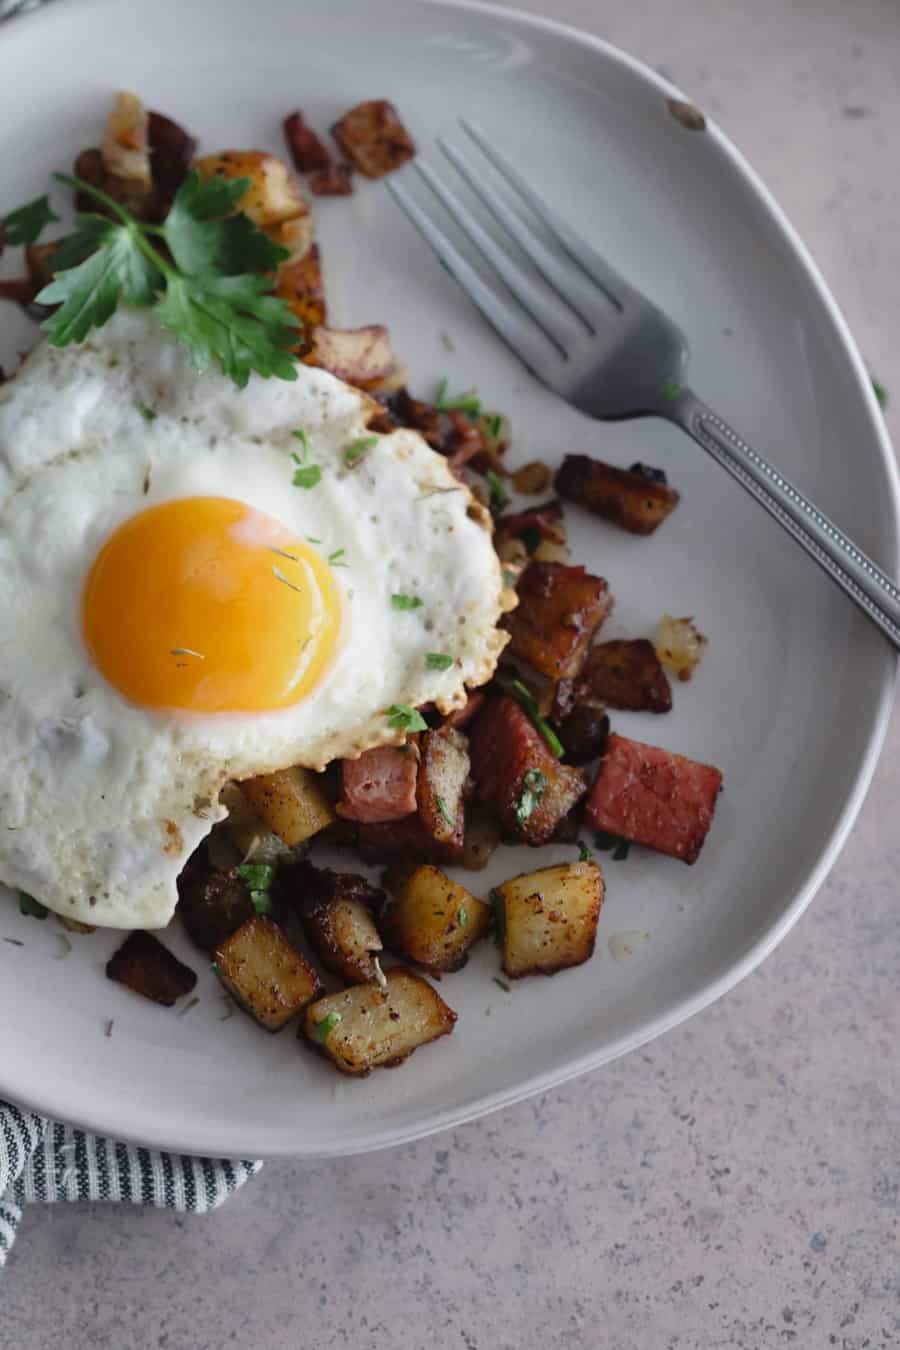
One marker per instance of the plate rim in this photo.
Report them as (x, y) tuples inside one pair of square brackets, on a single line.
[(171, 1140)]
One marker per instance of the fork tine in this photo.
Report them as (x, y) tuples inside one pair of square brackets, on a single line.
[(556, 275), (562, 331), (537, 352), (611, 282)]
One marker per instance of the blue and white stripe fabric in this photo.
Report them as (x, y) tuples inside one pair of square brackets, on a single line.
[(43, 1161)]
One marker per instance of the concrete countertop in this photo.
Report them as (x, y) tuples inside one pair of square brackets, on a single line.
[(737, 1183)]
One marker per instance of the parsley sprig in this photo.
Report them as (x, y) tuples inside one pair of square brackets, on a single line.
[(258, 878), (201, 272)]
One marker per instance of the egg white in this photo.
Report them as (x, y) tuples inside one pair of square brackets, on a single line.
[(102, 801)]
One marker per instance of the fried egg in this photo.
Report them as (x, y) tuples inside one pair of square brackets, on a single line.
[(197, 584)]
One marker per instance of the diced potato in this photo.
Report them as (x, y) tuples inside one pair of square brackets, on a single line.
[(295, 235), (265, 972), (299, 282), (532, 478), (431, 919), (273, 195), (372, 136), (291, 802), (550, 918), (679, 645), (76, 926), (248, 832), (144, 965), (481, 839), (343, 933), (366, 1027), (125, 149), (361, 356), (443, 774)]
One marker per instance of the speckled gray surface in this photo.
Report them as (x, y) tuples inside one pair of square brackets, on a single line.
[(737, 1184)]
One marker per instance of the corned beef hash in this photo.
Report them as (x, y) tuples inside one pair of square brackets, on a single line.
[(258, 598)]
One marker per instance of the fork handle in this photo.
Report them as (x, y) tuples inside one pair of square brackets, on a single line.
[(865, 583)]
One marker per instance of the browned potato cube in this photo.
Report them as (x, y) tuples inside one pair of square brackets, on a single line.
[(299, 282), (628, 499), (335, 909), (265, 972), (143, 964), (443, 774), (560, 609), (373, 138), (431, 919), (550, 918), (366, 1027), (291, 802), (334, 181), (125, 150), (361, 356), (273, 195)]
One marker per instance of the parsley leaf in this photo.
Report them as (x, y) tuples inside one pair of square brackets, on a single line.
[(445, 811), (28, 905), (438, 661), (358, 450), (328, 1023), (207, 286), (880, 392), (406, 602), (23, 225), (585, 854), (258, 878), (462, 916), (672, 389), (529, 703), (468, 403), (148, 414), (307, 476), (404, 718), (533, 786), (499, 495), (493, 423), (337, 559), (531, 537)]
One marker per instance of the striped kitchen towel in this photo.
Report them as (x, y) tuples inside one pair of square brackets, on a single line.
[(40, 1160)]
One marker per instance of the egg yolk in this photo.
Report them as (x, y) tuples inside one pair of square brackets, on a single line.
[(207, 605)]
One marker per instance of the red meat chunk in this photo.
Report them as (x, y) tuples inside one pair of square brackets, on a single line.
[(654, 797), (516, 773), (380, 785), (559, 610), (307, 151)]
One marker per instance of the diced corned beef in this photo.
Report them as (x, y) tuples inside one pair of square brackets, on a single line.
[(546, 519), (307, 151), (380, 785), (619, 495), (625, 675), (463, 716), (407, 840), (654, 797), (435, 833), (517, 774), (559, 610)]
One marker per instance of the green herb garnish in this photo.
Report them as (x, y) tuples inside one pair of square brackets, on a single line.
[(258, 878), (880, 392), (328, 1023), (209, 283), (34, 908), (493, 424), (311, 539), (358, 450), (445, 811), (462, 916), (585, 854), (499, 495), (533, 786), (406, 602), (148, 414), (25, 224), (438, 661), (612, 843), (337, 559), (529, 703), (305, 475), (510, 577), (214, 966), (531, 537), (404, 718), (672, 389), (467, 403), (502, 983)]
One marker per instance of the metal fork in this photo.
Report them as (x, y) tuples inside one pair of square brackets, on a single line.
[(612, 353)]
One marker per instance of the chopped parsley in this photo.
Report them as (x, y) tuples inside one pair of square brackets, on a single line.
[(672, 389), (510, 576), (311, 539), (337, 559), (533, 786), (880, 392), (585, 854), (25, 224), (406, 602), (612, 843), (258, 878), (468, 403), (404, 718), (148, 414), (28, 905), (499, 495), (214, 966), (207, 273), (462, 915), (356, 452), (438, 661), (493, 423), (531, 537), (305, 475), (327, 1025), (445, 811), (529, 703)]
